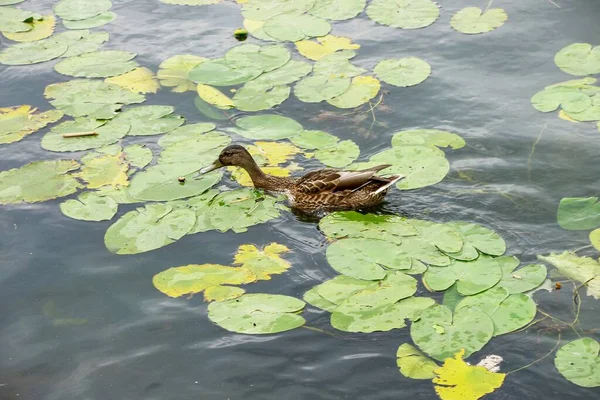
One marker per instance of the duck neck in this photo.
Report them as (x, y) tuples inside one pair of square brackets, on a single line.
[(265, 181)]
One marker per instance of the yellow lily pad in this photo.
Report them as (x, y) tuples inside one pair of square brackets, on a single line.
[(173, 72), (42, 29), (18, 122), (325, 45), (263, 263), (361, 90), (222, 293), (104, 170), (140, 80), (275, 153), (214, 96), (242, 177)]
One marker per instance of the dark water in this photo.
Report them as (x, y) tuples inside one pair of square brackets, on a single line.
[(132, 342)]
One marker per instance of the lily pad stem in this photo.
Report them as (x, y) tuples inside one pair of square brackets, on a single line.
[(539, 359), (533, 150)]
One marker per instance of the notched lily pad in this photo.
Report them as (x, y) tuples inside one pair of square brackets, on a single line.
[(579, 362), (407, 71), (405, 14), (19, 122), (90, 206)]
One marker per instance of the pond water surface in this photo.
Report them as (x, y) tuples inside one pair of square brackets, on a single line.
[(133, 342)]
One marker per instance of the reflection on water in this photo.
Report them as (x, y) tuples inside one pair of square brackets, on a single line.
[(77, 322)]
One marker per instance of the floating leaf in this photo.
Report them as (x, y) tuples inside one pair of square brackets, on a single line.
[(87, 97), (591, 113), (477, 238), (324, 46), (148, 228), (194, 278), (185, 132), (214, 97), (268, 127), (257, 313), (191, 2), (337, 10), (344, 153), (174, 71), (569, 98), (315, 140), (473, 277), (338, 64), (209, 110), (138, 155), (90, 206), (107, 133), (9, 2), (119, 194), (34, 52), (200, 205), (262, 10), (81, 9), (42, 29), (219, 73), (38, 181), (361, 90), (407, 71), (93, 22), (255, 28), (509, 312), (459, 380), (578, 361), (473, 20), (469, 329), (294, 27), (579, 59), (315, 300), (317, 88), (579, 213), (18, 122), (595, 238), (196, 152), (405, 14), (352, 224), (222, 293), (103, 170), (428, 137), (413, 363), (255, 96), (522, 280), (99, 64), (584, 270), (149, 120), (274, 152), (251, 56), (291, 72), (263, 263), (14, 19), (329, 294), (140, 80)]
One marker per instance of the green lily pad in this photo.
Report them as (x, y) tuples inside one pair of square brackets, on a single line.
[(317, 88), (19, 122), (138, 155), (33, 52), (579, 59), (473, 20), (185, 132), (239, 209), (477, 239), (253, 56), (107, 133), (407, 71), (149, 120), (93, 22), (76, 10), (443, 236), (291, 72), (328, 295), (99, 64), (148, 228), (344, 153), (196, 152), (10, 2), (451, 297), (90, 206), (200, 205), (405, 14), (595, 238), (414, 364), (365, 258), (38, 181), (219, 73), (191, 2), (255, 96), (468, 328), (82, 41), (352, 224), (13, 19), (337, 10), (362, 89), (592, 113), (427, 137), (262, 10), (174, 71), (571, 99), (509, 312), (314, 140), (578, 361), (472, 277), (315, 300), (119, 194), (338, 64), (41, 28), (293, 27), (523, 279), (87, 97), (194, 278), (579, 213), (267, 127), (580, 269)]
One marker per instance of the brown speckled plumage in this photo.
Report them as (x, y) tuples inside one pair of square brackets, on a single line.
[(321, 190)]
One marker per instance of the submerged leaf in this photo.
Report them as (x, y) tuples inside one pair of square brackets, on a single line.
[(263, 263), (405, 14), (18, 122), (407, 71), (579, 362), (473, 20), (140, 80), (413, 363), (90, 206), (174, 71)]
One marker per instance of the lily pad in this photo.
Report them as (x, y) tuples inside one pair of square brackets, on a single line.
[(255, 96), (405, 14), (41, 29), (595, 238), (352, 224), (569, 98), (315, 140), (148, 228), (579, 59), (267, 127), (323, 46), (76, 10), (34, 52), (257, 313), (361, 90), (222, 293), (81, 41), (477, 239), (473, 20), (185, 132), (509, 312), (344, 153), (90, 206), (578, 361), (174, 71), (584, 270), (104, 169), (106, 134), (138, 155), (291, 72), (428, 137), (38, 181), (262, 10), (294, 27), (404, 72), (214, 97), (10, 2), (92, 22), (263, 263), (329, 294), (196, 152), (321, 87), (100, 64), (523, 279), (337, 10), (579, 213), (194, 278), (14, 19), (191, 2), (338, 64), (413, 363), (139, 80), (219, 73), (19, 122), (468, 328), (267, 57), (149, 120), (473, 277)]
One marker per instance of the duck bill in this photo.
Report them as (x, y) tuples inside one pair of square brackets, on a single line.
[(216, 165)]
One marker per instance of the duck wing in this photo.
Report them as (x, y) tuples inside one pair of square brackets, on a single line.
[(332, 180)]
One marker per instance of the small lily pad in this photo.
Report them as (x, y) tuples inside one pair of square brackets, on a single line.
[(19, 122), (219, 73), (413, 363), (267, 126), (92, 22), (473, 277), (255, 96), (138, 155), (321, 87), (42, 29), (403, 14), (262, 10), (579, 362), (291, 72), (100, 64), (149, 120), (579, 213), (263, 263), (407, 71), (14, 19), (185, 132), (315, 140), (523, 279), (174, 71), (477, 239), (580, 269), (294, 27), (34, 52), (361, 90), (337, 10), (428, 137), (579, 59), (139, 80), (267, 57), (344, 153), (90, 206), (473, 20), (107, 133)]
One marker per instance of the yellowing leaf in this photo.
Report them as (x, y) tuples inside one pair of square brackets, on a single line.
[(457, 380), (362, 89), (275, 153), (173, 72), (222, 293), (18, 122), (140, 80), (595, 238), (263, 263), (104, 170), (563, 115), (42, 29), (242, 177), (327, 45), (214, 96)]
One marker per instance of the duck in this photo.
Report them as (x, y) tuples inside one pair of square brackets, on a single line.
[(322, 190)]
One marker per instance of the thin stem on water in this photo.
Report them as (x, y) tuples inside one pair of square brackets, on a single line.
[(539, 359), (533, 150)]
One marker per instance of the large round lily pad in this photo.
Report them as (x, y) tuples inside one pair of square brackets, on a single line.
[(185, 132), (569, 98), (257, 313), (579, 362), (361, 90), (352, 224), (34, 52), (14, 19), (523, 279), (407, 71), (255, 96), (149, 120), (321, 87), (477, 239), (405, 14), (579, 59), (291, 72), (339, 156), (262, 10), (100, 64), (92, 22)]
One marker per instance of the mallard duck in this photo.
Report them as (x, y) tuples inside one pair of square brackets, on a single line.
[(325, 189)]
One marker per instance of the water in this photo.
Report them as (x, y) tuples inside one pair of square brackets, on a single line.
[(132, 342)]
